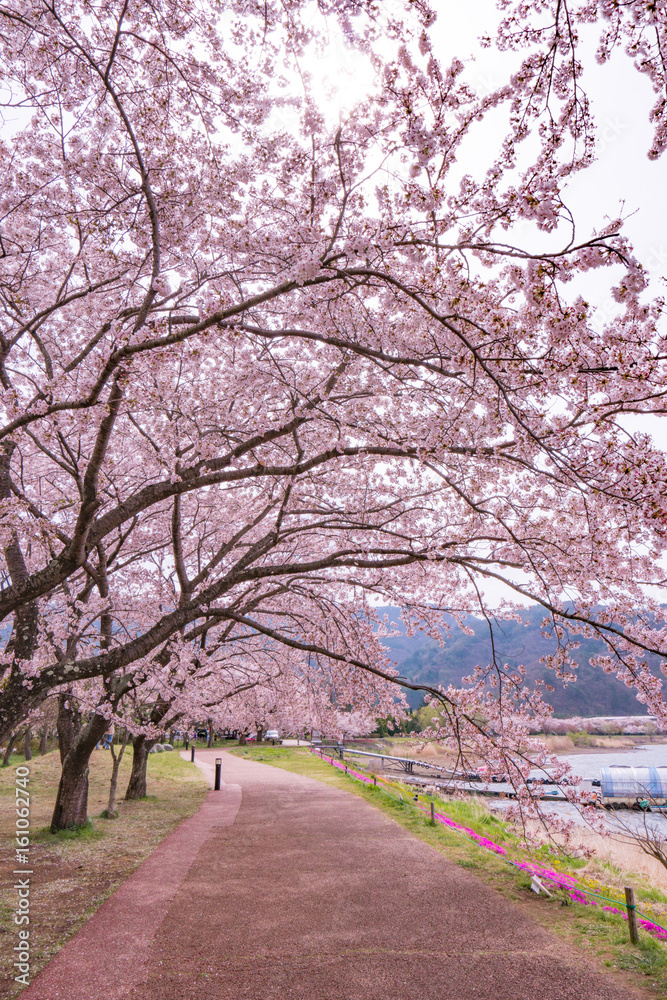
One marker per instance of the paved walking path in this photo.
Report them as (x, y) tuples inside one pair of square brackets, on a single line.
[(283, 888)]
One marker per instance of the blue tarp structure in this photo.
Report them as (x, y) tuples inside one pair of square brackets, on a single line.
[(625, 782)]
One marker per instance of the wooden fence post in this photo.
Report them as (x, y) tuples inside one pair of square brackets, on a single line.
[(632, 914), (433, 813)]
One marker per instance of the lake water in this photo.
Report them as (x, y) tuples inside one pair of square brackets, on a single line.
[(587, 765)]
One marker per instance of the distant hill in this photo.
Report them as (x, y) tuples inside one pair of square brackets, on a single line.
[(595, 693)]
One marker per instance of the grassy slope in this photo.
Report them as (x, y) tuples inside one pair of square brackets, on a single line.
[(602, 937), (74, 873)]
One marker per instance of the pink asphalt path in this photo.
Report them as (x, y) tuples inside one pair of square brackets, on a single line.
[(283, 888)]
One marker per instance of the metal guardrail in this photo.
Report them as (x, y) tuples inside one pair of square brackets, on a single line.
[(406, 764), (468, 781)]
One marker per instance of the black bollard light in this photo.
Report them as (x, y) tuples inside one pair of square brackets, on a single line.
[(218, 773), (192, 755)]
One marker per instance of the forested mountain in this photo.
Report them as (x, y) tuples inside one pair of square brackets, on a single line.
[(594, 693)]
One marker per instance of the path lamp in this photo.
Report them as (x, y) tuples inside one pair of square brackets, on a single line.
[(218, 773)]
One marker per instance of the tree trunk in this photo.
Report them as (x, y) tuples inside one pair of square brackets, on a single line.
[(16, 702), (242, 739), (13, 739), (25, 627), (68, 724), (44, 742), (71, 809), (77, 743), (27, 741), (210, 734), (260, 734), (113, 785), (136, 788)]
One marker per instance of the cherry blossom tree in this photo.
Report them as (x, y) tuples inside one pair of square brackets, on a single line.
[(263, 371), (552, 74), (293, 696)]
